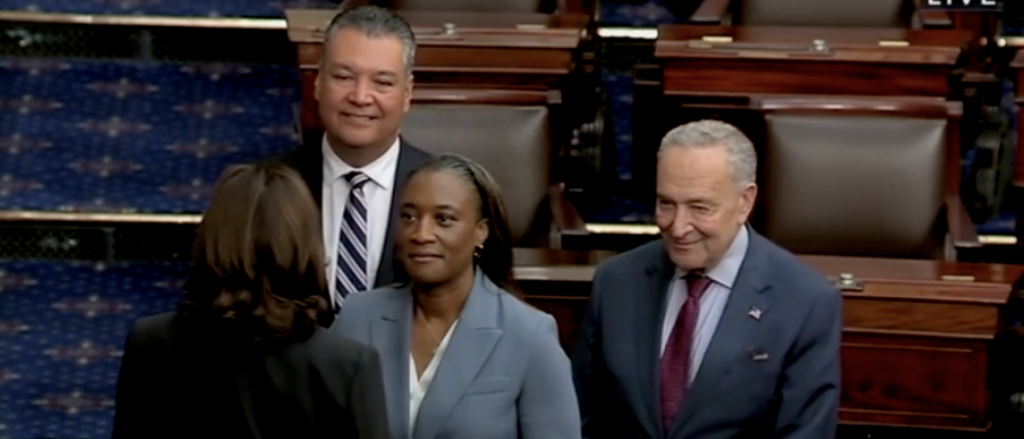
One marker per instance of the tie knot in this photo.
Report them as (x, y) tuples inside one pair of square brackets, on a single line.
[(356, 179), (696, 285)]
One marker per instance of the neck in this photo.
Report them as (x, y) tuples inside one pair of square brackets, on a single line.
[(358, 157), (444, 301)]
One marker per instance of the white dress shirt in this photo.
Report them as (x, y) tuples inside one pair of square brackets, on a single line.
[(418, 385), (378, 192), (712, 303)]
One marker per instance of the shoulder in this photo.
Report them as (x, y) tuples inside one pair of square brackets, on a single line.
[(412, 154), (332, 350), (630, 261), (519, 317), (799, 280), (375, 299), (154, 328)]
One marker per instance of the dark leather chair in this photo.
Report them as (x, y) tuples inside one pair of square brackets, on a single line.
[(819, 13), (872, 177), (513, 142)]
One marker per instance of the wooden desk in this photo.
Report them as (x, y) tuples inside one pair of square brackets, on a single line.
[(482, 57), (915, 340), (1018, 170), (750, 61)]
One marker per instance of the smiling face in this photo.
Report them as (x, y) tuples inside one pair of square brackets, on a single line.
[(363, 89), (439, 227), (700, 207)]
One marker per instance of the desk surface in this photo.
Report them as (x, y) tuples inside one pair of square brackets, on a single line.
[(982, 283), (558, 31), (848, 44)]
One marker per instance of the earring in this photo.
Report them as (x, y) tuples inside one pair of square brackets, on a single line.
[(478, 251)]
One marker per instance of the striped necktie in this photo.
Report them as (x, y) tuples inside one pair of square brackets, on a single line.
[(350, 277)]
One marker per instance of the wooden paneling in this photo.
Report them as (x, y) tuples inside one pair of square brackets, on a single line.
[(831, 77), (890, 62), (914, 381), (513, 59)]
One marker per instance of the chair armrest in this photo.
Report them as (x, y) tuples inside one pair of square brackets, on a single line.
[(961, 229), (565, 217), (711, 12)]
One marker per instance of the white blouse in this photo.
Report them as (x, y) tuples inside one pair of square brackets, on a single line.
[(418, 386)]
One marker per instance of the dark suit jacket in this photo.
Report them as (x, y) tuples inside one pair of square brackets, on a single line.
[(309, 161), (177, 382), (774, 376)]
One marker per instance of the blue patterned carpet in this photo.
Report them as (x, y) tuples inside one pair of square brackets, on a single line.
[(112, 136), (646, 14), (62, 331), (186, 8)]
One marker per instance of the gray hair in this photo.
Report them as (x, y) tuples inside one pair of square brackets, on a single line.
[(376, 22), (713, 133)]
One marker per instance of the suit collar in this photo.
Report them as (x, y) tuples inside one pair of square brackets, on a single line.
[(381, 171), (729, 348), (728, 269), (473, 339)]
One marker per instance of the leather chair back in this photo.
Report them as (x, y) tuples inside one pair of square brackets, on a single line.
[(824, 13), (512, 142), (855, 185)]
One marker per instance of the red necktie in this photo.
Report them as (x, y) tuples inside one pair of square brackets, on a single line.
[(675, 362)]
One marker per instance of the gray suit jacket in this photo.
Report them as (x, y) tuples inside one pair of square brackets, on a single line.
[(771, 371), (504, 375)]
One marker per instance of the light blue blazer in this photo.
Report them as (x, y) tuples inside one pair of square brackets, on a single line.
[(503, 376)]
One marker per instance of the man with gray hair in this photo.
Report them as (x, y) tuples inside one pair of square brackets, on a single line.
[(363, 90), (711, 332)]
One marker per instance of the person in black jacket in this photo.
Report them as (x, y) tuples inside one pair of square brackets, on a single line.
[(246, 354)]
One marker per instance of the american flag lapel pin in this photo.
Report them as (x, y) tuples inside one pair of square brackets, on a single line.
[(755, 313)]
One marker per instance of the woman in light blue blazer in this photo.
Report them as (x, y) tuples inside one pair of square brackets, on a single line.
[(463, 358)]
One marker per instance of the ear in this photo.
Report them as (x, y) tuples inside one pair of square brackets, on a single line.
[(481, 233), (316, 82), (747, 198), (408, 94)]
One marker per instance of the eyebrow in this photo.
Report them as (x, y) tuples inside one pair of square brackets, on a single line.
[(436, 206), (337, 65)]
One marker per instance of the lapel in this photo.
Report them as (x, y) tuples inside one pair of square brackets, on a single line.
[(729, 347), (389, 270), (647, 314), (471, 344), (390, 334)]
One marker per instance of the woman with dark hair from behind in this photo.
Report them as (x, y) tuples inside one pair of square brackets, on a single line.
[(246, 354), (463, 357)]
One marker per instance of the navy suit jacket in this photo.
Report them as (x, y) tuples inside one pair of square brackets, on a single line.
[(771, 371)]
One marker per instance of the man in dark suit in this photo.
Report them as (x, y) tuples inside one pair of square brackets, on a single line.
[(712, 332), (355, 171)]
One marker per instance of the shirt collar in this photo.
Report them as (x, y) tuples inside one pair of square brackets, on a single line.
[(379, 171), (728, 268)]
